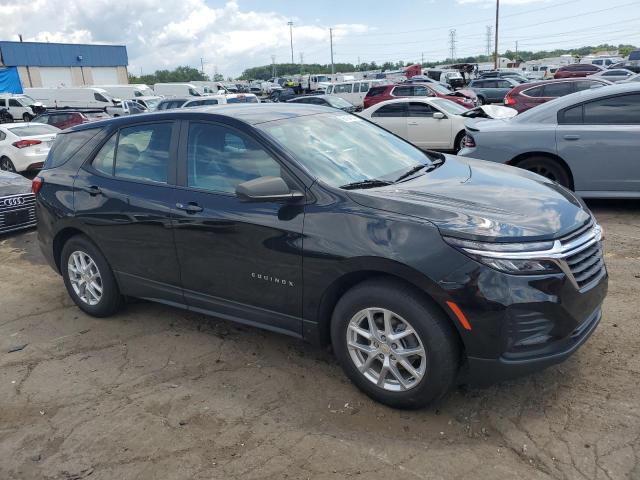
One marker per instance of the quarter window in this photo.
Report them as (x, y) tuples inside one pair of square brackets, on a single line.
[(143, 152), (219, 159)]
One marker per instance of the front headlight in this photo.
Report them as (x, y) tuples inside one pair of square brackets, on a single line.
[(514, 258)]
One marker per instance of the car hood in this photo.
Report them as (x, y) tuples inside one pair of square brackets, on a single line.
[(13, 184), (490, 111), (481, 200)]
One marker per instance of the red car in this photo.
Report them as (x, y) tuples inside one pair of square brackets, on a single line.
[(70, 118), (463, 97), (528, 95), (577, 70)]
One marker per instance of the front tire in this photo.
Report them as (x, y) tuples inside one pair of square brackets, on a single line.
[(548, 168), (395, 345), (481, 100), (459, 142), (27, 118), (88, 278)]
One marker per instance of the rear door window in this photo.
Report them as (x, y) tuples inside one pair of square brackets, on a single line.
[(391, 110), (364, 87), (620, 110), (403, 91), (142, 152), (557, 89), (419, 109), (534, 92)]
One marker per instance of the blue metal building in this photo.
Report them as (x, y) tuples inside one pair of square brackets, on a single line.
[(60, 64)]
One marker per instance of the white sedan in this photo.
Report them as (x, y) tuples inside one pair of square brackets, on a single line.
[(25, 146), (428, 123)]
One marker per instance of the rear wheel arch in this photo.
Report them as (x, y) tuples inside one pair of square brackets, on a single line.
[(62, 237), (516, 161), (342, 285)]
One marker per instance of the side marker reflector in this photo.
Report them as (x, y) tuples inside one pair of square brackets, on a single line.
[(459, 315)]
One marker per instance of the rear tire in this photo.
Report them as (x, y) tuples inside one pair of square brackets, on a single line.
[(88, 278), (7, 165), (548, 168), (426, 376)]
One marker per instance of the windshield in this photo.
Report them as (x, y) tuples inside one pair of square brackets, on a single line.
[(440, 88), (339, 148), (194, 93), (152, 103), (338, 102), (25, 101), (449, 107)]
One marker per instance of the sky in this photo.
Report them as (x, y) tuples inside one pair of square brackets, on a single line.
[(229, 36)]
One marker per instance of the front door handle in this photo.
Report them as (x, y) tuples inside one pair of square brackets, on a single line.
[(93, 190), (571, 137), (412, 123), (190, 207)]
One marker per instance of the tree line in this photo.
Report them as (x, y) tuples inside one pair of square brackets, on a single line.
[(180, 74)]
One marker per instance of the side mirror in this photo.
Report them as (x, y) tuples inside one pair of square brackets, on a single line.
[(438, 115), (267, 189)]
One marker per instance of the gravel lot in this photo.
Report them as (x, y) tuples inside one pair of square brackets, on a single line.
[(158, 393)]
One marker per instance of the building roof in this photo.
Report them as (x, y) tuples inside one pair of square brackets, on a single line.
[(39, 54)]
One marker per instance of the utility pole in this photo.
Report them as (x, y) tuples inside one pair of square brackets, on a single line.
[(273, 66), (301, 58), (452, 44), (421, 59), (333, 69), (291, 37), (202, 66), (516, 51), (489, 34), (496, 59)]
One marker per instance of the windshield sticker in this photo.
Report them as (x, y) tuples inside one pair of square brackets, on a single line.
[(348, 118)]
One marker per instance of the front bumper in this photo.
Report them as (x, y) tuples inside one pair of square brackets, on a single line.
[(483, 371), (520, 323)]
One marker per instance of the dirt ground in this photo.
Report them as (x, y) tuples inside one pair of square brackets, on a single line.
[(158, 393)]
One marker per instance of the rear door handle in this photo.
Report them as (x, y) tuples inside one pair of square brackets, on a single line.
[(93, 190), (571, 137), (190, 207), (412, 123)]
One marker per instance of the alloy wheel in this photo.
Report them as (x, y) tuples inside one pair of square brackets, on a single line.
[(85, 277), (386, 349)]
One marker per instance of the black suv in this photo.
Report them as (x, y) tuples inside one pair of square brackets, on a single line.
[(420, 269)]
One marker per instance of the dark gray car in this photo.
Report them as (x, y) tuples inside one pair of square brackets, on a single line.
[(492, 90), (588, 141)]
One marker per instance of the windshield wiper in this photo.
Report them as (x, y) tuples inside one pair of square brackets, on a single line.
[(368, 183), (410, 172)]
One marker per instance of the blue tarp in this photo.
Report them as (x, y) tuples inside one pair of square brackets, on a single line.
[(10, 80)]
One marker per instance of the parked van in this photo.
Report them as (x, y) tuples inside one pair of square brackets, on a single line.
[(19, 107), (77, 97), (176, 90), (127, 92), (353, 92)]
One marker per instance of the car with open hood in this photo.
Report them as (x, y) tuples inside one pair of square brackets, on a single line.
[(422, 270)]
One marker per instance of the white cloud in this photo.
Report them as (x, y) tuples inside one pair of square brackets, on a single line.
[(172, 32)]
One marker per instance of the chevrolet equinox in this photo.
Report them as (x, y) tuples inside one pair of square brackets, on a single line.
[(421, 270)]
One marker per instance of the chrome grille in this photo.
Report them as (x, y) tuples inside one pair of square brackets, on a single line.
[(11, 207), (583, 259)]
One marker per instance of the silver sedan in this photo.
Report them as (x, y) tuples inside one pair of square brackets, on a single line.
[(588, 141)]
